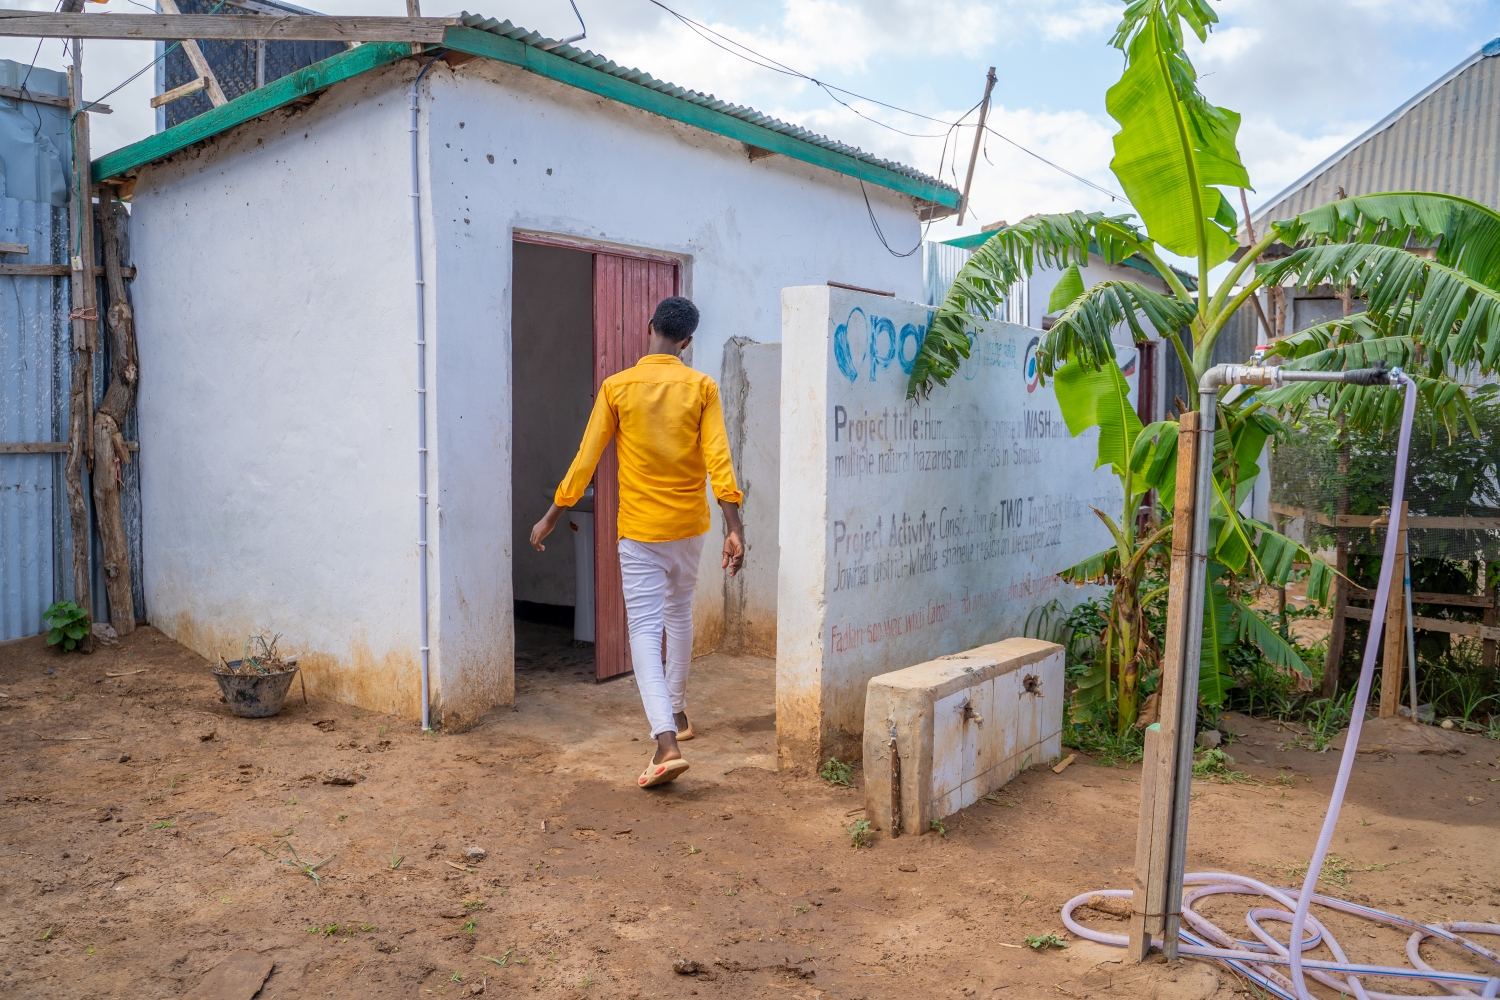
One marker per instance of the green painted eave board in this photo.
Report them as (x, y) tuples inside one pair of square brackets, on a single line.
[(974, 241), (472, 41), (310, 79), (555, 67)]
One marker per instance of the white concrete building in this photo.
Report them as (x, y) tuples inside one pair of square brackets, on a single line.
[(559, 197)]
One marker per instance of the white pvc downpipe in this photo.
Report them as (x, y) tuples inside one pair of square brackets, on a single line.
[(416, 235)]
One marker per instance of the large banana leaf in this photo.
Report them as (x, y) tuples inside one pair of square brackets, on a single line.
[(1454, 316), (1219, 633), (1277, 651), (1464, 233), (1100, 397), (1154, 459), (1082, 332), (1173, 145), (990, 273)]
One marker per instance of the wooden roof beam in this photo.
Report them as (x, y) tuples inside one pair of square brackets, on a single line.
[(225, 27)]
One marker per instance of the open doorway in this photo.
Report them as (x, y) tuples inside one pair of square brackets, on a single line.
[(552, 366), (578, 315)]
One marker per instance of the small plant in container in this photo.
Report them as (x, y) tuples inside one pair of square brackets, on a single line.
[(255, 685)]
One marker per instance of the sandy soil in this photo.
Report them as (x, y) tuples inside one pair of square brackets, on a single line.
[(136, 811)]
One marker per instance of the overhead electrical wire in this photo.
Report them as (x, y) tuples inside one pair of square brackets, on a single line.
[(745, 52)]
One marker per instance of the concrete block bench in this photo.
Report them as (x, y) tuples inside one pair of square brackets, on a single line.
[(964, 725)]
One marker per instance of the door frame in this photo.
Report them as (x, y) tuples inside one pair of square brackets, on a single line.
[(611, 641)]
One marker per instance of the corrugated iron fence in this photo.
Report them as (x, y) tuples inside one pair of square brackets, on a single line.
[(36, 366)]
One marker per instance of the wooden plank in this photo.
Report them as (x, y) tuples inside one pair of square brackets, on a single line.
[(51, 100), (1393, 664), (195, 56), (1153, 914), (1422, 597), (34, 447), (20, 248), (1472, 630), (178, 93), (278, 93), (168, 27), (81, 387), (52, 271), (556, 67), (1431, 523)]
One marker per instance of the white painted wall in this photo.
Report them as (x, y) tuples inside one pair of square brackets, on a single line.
[(919, 530), (570, 164), (553, 357), (276, 315), (274, 312), (751, 391)]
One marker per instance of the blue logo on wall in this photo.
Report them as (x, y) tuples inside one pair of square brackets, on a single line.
[(1029, 370), (865, 344)]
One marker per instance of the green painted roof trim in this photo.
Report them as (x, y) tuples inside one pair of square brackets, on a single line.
[(360, 59), (537, 60), (602, 79), (974, 241)]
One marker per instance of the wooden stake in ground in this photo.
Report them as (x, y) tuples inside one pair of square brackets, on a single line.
[(109, 444), (80, 390), (1153, 914), (1341, 564), (1393, 665)]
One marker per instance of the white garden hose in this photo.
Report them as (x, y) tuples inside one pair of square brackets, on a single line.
[(1262, 960)]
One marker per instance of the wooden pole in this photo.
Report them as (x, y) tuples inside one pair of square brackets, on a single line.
[(1341, 564), (81, 387), (1393, 665), (1491, 615), (984, 110), (1152, 913), (109, 444)]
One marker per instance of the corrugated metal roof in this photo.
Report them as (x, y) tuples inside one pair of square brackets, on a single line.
[(597, 62), (1445, 139)]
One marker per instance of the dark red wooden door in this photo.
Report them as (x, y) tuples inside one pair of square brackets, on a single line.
[(626, 291)]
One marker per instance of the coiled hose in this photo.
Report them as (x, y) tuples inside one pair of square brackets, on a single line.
[(1263, 960)]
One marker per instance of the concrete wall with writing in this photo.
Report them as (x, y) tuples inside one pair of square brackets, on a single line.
[(910, 531)]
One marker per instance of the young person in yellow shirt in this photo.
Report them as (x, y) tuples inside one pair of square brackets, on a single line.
[(668, 428)]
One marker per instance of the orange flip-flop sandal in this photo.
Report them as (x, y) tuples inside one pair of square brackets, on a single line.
[(660, 774)]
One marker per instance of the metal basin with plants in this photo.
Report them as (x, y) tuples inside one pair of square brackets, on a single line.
[(256, 685)]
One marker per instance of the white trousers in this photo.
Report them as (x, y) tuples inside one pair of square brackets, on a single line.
[(659, 578)]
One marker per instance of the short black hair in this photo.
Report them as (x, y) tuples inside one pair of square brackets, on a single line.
[(675, 318)]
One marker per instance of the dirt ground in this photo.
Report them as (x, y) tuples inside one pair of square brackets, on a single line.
[(137, 811)]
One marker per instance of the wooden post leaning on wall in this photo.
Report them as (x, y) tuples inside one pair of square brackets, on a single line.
[(1393, 663), (109, 444), (1152, 913), (81, 387)]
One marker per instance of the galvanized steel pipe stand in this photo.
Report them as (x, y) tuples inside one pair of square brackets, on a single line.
[(1262, 961)]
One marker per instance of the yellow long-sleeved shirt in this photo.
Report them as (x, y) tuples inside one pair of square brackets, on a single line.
[(668, 428)]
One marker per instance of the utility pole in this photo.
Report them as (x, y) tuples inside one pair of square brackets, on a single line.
[(984, 110)]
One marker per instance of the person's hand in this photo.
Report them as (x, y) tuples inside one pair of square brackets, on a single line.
[(544, 527), (734, 552)]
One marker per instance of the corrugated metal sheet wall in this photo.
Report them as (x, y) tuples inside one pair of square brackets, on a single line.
[(34, 352), (36, 368), (1449, 143)]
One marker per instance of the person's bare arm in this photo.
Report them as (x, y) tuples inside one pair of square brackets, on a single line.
[(544, 527), (734, 542)]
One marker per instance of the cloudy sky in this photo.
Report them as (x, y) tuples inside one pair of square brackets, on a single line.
[(1308, 75)]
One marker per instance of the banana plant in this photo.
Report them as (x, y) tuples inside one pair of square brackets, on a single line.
[(1426, 266)]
